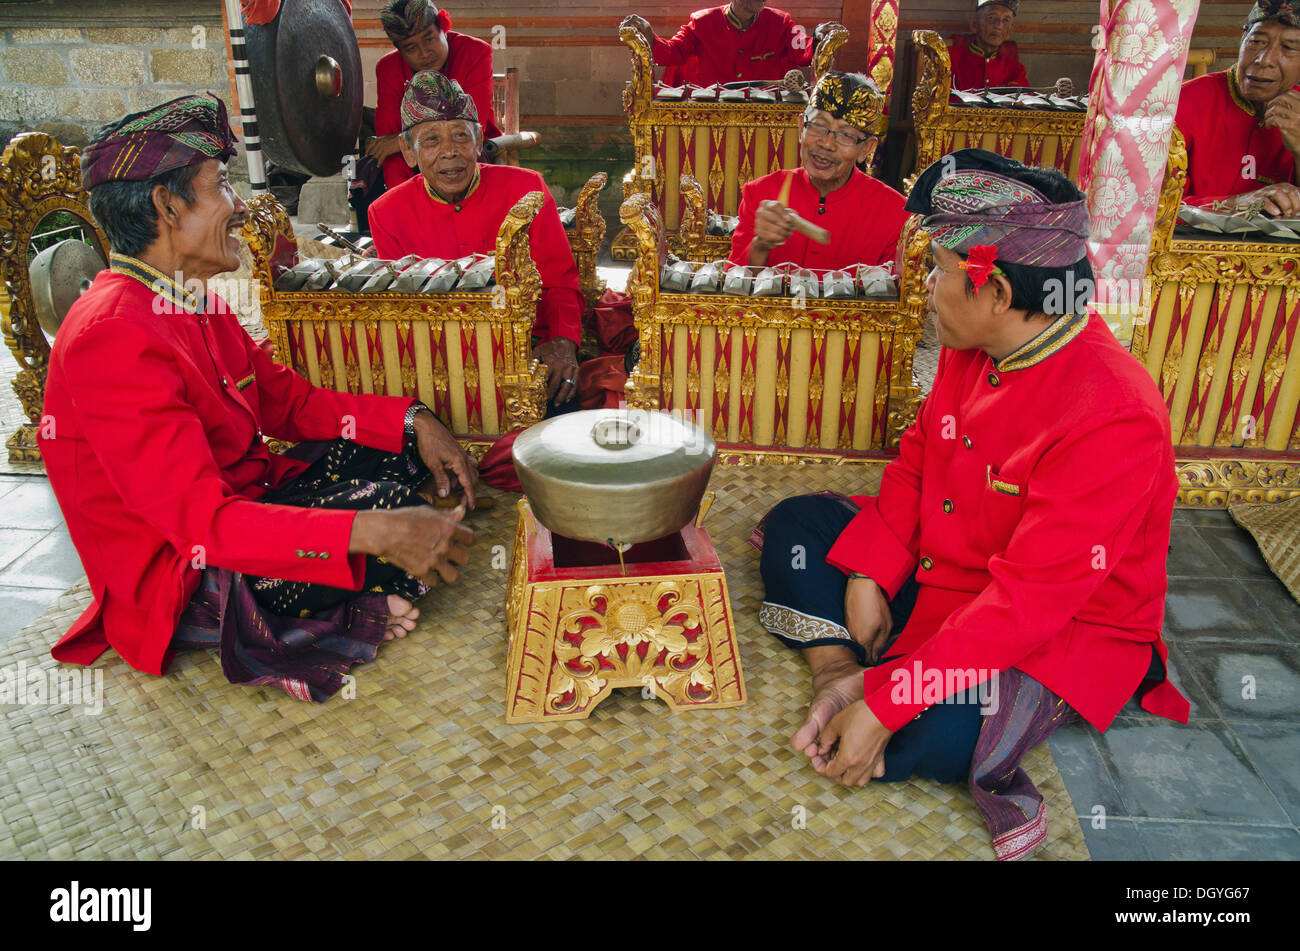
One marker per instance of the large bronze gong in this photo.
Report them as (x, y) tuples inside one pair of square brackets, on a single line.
[(305, 69)]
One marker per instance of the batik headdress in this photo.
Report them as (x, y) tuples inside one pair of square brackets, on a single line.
[(1286, 12), (1012, 5), (431, 97), (970, 201), (402, 19), (144, 144), (850, 97)]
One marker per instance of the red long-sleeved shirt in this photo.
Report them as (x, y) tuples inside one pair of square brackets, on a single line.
[(1036, 497), (710, 49), (972, 70)]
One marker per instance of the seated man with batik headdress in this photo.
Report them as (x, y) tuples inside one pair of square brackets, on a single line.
[(191, 531), (1242, 125), (424, 39), (864, 216), (1017, 544), (743, 41), (455, 207)]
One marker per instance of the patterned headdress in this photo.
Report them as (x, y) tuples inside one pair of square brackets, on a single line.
[(430, 97), (1286, 12), (971, 199), (1012, 5), (402, 19), (850, 97), (145, 144)]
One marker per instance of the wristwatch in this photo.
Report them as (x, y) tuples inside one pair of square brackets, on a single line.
[(408, 428)]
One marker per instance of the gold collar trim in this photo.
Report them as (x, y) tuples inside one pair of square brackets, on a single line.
[(1235, 92), (981, 51), (155, 280), (473, 186), (1060, 332), (735, 20)]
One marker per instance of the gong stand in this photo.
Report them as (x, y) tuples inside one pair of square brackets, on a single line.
[(584, 619)]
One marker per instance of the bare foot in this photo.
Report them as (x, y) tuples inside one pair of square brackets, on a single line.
[(834, 688), (402, 615)]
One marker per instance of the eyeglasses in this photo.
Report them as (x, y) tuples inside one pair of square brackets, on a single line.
[(844, 139)]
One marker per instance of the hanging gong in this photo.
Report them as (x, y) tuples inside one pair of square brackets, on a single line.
[(305, 70)]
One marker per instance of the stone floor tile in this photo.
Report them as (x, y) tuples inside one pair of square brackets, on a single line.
[(1117, 840), (16, 542), (50, 563), (1214, 841), (1197, 694), (1194, 608), (1087, 775), (1191, 556), (1194, 771), (1213, 518), (1273, 596), (20, 606), (1247, 680), (1238, 549), (1274, 748), (30, 505)]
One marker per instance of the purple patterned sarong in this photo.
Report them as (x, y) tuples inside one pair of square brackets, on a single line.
[(1027, 713), (305, 657)]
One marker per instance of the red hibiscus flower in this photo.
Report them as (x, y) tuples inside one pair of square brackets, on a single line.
[(981, 261)]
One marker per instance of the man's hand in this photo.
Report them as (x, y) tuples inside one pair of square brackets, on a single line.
[(383, 147), (861, 739), (418, 539), (560, 354), (1065, 86), (1283, 114), (867, 615), (441, 454), (642, 26), (773, 225), (1280, 201)]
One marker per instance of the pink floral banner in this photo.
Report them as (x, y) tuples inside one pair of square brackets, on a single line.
[(1132, 96)]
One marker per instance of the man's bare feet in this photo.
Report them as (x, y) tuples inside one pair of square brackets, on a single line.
[(402, 615), (834, 688)]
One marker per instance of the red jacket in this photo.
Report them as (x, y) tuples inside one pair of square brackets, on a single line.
[(767, 49), (1036, 497), (154, 452), (864, 217), (408, 220), (1221, 130), (469, 62), (972, 70)]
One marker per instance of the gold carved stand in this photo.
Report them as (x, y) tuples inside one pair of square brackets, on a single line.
[(1218, 335), (579, 627), (37, 176)]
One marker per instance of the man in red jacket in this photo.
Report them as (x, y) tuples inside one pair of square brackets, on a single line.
[(863, 215), (1242, 126), (1023, 528), (456, 205), (744, 41), (987, 56), (424, 39), (156, 402)]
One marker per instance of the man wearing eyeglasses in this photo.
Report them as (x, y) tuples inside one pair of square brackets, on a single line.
[(863, 215)]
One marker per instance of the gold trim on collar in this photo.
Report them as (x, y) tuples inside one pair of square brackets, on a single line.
[(473, 186), (155, 280), (1235, 92), (735, 20), (1060, 332)]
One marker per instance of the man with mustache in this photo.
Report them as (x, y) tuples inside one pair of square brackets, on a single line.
[(1018, 542), (191, 532), (744, 41), (424, 39), (1242, 125), (455, 207), (863, 215)]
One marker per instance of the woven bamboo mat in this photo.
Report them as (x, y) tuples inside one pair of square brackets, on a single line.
[(1276, 529), (421, 762)]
